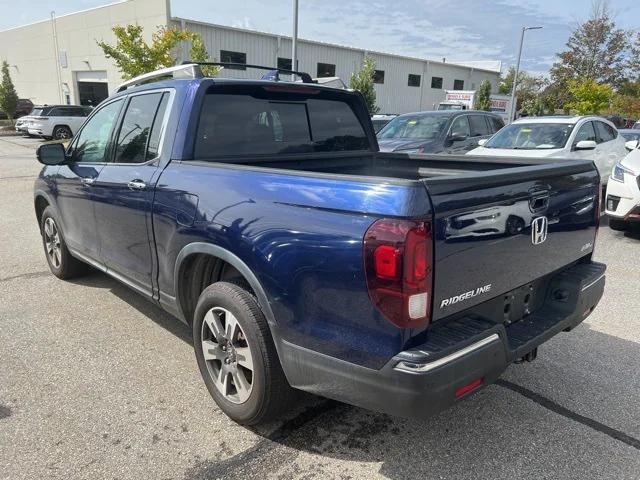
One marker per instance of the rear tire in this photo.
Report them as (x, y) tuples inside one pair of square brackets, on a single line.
[(236, 355), (62, 132), (618, 225), (61, 263)]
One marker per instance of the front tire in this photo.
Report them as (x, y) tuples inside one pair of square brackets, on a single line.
[(61, 263), (236, 355), (618, 225)]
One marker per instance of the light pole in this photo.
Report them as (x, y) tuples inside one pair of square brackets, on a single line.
[(294, 39), (512, 113)]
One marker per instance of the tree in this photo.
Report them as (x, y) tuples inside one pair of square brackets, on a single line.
[(134, 56), (596, 50), (589, 97), (528, 89), (8, 95), (483, 97), (626, 105), (362, 81)]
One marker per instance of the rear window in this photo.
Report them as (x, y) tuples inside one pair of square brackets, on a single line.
[(237, 123)]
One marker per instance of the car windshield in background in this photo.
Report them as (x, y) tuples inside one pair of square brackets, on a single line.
[(631, 135), (36, 111), (531, 136), (414, 126), (242, 124)]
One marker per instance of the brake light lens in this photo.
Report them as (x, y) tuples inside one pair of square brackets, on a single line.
[(398, 257)]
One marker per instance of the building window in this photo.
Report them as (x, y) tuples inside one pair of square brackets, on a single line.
[(436, 82), (458, 84), (414, 80), (378, 76), (326, 70), (227, 56), (284, 63)]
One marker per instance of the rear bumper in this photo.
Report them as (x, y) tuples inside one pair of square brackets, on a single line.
[(423, 381)]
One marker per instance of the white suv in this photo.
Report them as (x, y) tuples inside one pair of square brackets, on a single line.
[(59, 122), (623, 192), (584, 138)]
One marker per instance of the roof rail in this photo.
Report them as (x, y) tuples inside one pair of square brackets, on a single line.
[(305, 77), (186, 70)]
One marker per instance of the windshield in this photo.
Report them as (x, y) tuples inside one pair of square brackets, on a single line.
[(36, 111), (531, 136), (414, 126)]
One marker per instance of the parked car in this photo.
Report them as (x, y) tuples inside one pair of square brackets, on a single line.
[(23, 108), (59, 122), (450, 131), (579, 137), (622, 202), (262, 214), (630, 134), (381, 119)]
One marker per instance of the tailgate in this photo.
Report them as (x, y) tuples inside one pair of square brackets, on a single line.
[(502, 229)]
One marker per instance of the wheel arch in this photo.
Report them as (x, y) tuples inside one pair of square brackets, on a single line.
[(188, 252)]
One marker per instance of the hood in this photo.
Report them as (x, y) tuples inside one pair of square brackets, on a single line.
[(510, 152), (400, 144), (632, 161)]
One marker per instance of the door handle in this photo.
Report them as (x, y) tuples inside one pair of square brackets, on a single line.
[(137, 185), (88, 180)]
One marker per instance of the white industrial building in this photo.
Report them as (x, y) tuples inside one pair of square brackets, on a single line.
[(58, 60)]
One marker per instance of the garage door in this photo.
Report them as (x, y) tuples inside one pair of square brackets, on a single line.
[(92, 87)]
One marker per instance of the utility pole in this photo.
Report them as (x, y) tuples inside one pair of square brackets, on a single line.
[(56, 56), (294, 40), (512, 113)]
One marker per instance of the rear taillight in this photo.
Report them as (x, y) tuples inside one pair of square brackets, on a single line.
[(398, 256)]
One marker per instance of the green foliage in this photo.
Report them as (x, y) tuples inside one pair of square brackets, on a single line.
[(134, 56), (199, 54), (596, 50), (483, 97), (528, 89), (362, 81), (8, 95), (589, 97)]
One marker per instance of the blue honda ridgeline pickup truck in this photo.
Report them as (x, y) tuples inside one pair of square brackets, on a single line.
[(261, 213)]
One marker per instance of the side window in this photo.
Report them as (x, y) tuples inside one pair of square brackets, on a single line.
[(586, 132), (496, 124), (92, 141), (136, 130), (605, 132), (478, 125), (460, 125), (156, 131), (56, 112)]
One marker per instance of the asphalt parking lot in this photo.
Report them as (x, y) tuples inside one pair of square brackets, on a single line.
[(95, 383)]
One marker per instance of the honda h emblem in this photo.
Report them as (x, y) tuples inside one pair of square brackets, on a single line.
[(539, 228)]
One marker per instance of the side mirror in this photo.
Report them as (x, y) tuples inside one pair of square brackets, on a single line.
[(631, 144), (457, 136), (585, 145), (51, 154), (482, 141)]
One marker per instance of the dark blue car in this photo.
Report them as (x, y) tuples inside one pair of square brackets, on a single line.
[(449, 132), (262, 214)]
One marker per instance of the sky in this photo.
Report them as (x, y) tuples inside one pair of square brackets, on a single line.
[(456, 30)]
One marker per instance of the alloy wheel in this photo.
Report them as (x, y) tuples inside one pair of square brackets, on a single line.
[(52, 242), (227, 355)]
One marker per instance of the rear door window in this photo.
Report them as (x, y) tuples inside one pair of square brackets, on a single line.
[(255, 122), (495, 123), (605, 133), (478, 125)]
